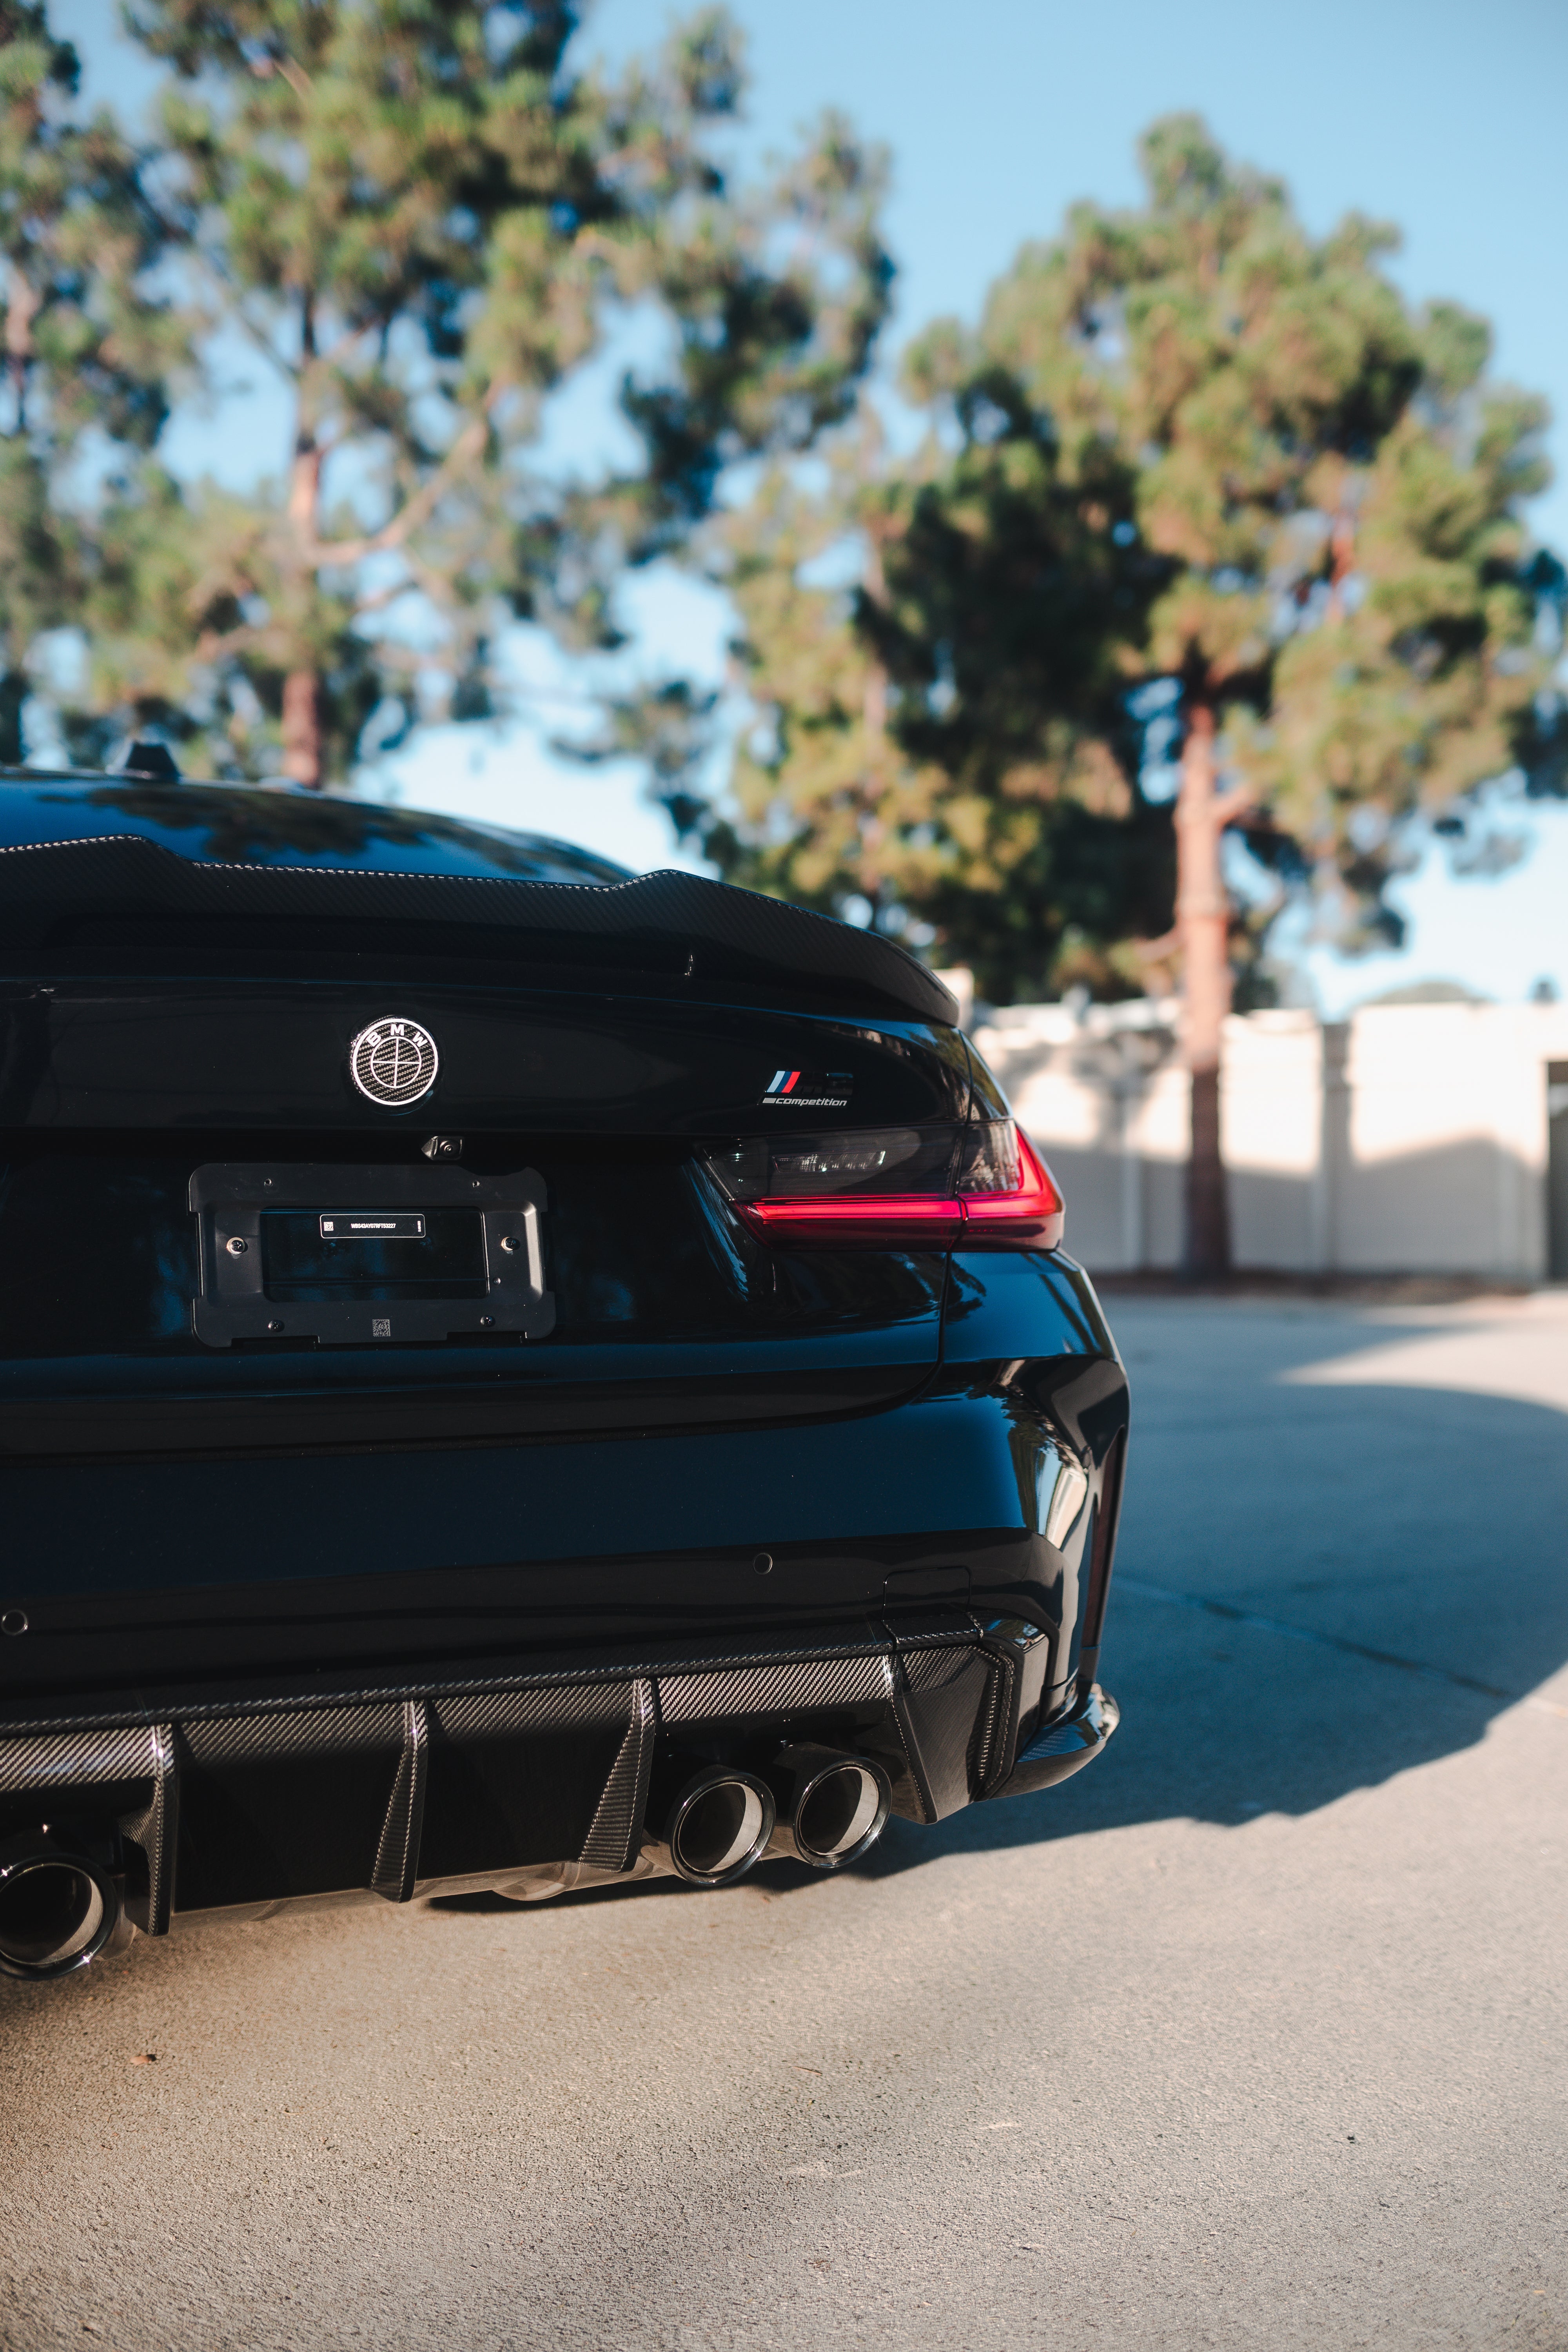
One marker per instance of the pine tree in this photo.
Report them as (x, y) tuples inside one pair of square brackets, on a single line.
[(88, 349), (428, 221), (1347, 615)]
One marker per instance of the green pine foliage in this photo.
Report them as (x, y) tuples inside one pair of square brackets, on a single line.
[(426, 221), (89, 349), (1189, 444), (942, 750)]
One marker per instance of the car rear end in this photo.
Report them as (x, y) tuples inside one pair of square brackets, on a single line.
[(506, 1379)]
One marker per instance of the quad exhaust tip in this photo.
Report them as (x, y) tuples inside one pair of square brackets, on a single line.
[(719, 1826), (58, 1908), (831, 1807), (815, 1805)]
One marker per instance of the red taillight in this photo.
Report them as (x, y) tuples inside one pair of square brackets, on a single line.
[(994, 1193), (889, 1220), (1033, 1206)]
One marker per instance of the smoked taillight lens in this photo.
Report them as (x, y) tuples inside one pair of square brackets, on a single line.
[(975, 1186), (1008, 1192)]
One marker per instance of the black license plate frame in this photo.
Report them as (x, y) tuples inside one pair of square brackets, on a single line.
[(230, 1199)]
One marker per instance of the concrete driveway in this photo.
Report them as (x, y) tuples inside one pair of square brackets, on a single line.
[(1252, 2035)]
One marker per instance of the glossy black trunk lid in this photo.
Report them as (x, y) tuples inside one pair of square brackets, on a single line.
[(666, 1312)]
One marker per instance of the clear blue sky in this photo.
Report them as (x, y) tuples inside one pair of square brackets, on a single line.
[(1444, 118)]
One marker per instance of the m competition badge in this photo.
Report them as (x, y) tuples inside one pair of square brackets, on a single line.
[(809, 1090)]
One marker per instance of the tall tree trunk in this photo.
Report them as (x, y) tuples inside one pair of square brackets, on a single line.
[(1202, 925), (21, 310), (303, 762), (874, 717), (15, 685)]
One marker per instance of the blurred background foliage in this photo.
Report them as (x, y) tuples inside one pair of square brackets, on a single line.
[(1191, 459), (426, 222), (1192, 466)]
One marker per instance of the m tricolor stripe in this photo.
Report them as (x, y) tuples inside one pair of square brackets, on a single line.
[(809, 1089)]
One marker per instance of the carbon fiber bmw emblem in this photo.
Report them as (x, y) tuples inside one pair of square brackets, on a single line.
[(393, 1062)]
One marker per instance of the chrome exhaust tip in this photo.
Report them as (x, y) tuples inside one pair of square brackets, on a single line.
[(719, 1826), (831, 1807), (58, 1908)]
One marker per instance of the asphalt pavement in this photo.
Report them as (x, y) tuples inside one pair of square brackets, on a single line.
[(1253, 2034)]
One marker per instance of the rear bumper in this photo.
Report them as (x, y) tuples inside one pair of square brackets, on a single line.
[(534, 1783), (1062, 1745), (268, 1679), (155, 1586)]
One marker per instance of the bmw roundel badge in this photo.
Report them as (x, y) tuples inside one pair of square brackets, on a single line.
[(393, 1062)]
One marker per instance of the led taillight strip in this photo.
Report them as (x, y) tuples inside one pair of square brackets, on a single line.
[(914, 1221), (905, 1218)]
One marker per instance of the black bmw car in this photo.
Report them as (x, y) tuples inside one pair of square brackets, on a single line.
[(511, 1375)]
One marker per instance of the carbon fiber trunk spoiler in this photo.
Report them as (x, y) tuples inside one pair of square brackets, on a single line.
[(104, 891)]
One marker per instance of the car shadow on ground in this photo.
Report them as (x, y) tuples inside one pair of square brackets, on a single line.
[(1391, 1559), (1394, 1558)]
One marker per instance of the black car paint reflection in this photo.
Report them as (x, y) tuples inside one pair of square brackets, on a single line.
[(285, 826), (289, 1618)]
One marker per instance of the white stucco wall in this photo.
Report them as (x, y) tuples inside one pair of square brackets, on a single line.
[(1409, 1138)]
